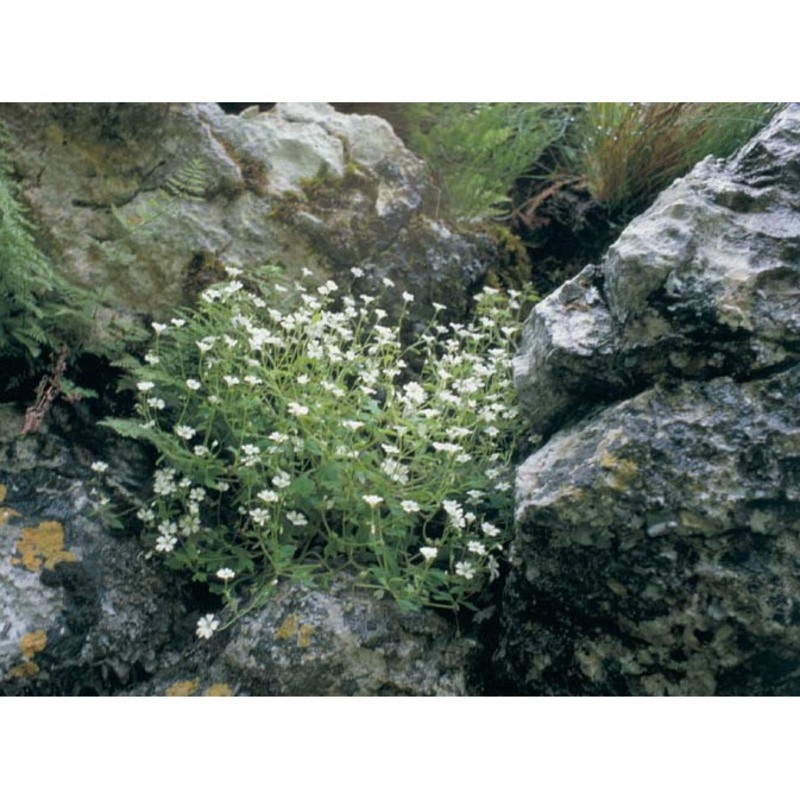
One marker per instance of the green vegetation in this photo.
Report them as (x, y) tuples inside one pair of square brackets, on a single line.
[(477, 150), (629, 152), (624, 153), (36, 306), (42, 317), (189, 182), (297, 442)]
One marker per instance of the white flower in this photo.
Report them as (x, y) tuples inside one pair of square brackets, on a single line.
[(372, 500), (99, 466), (413, 393), (146, 514), (177, 322), (260, 516), (277, 436), (158, 327), (447, 447), (410, 506), (231, 380), (439, 306), (151, 358), (395, 470), (281, 480), (297, 410), (465, 570), (302, 380), (408, 297), (225, 574), (157, 403), (184, 432), (268, 496), (253, 380), (357, 271), (429, 553), (388, 282), (490, 530), (494, 568), (354, 425), (193, 384), (206, 626), (201, 450), (455, 513), (166, 543), (145, 386), (233, 272), (477, 548), (296, 518)]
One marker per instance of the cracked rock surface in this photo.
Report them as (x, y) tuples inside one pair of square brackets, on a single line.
[(658, 526), (300, 185)]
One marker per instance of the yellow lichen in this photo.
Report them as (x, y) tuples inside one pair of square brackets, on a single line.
[(218, 690), (2, 492), (182, 688), (42, 547), (304, 637), (33, 643), (623, 471), (288, 628), (27, 669)]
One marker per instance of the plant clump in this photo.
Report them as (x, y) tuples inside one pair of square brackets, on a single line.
[(296, 440)]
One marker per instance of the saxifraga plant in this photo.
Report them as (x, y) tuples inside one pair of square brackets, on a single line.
[(295, 443)]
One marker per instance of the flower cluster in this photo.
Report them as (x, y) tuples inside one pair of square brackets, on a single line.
[(298, 439)]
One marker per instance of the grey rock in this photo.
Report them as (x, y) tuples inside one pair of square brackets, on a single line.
[(338, 642), (82, 610), (341, 642), (704, 283), (300, 185), (656, 550), (658, 547)]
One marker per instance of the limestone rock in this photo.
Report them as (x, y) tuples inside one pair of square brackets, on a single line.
[(299, 185), (658, 542), (82, 611), (705, 283), (340, 642)]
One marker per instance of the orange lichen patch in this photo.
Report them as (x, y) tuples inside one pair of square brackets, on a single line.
[(304, 638), (42, 547), (33, 643), (27, 669), (182, 688), (218, 690), (288, 628)]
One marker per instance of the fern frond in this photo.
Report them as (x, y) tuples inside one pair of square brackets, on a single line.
[(190, 181)]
